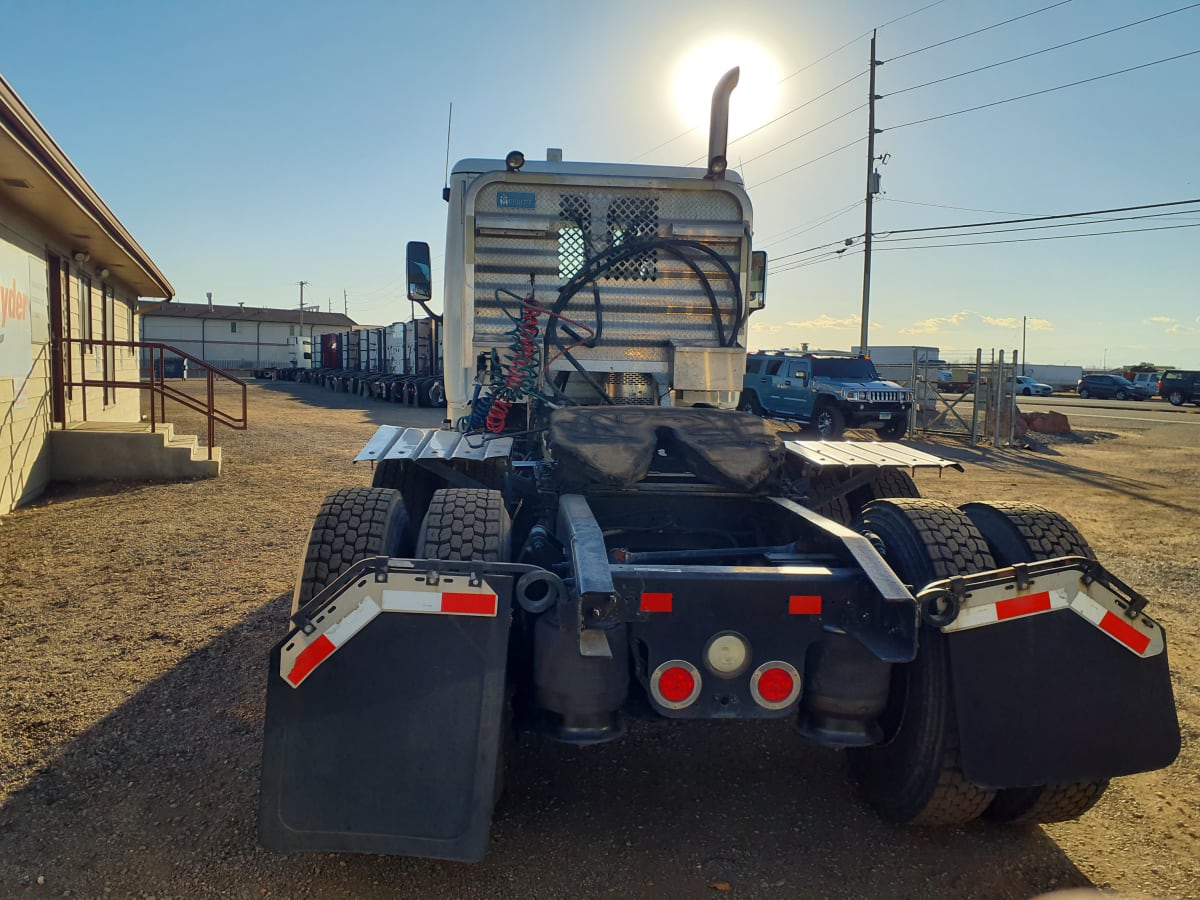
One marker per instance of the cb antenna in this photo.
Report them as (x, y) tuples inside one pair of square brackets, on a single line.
[(446, 184)]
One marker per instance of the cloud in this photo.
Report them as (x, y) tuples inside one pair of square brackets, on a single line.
[(1010, 322), (938, 324), (1170, 325), (765, 327), (826, 321)]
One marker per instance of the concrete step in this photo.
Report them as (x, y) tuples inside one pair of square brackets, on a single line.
[(104, 451)]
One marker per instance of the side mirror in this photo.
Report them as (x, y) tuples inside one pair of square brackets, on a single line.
[(420, 279), (758, 280)]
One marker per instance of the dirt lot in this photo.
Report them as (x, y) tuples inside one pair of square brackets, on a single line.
[(135, 620)]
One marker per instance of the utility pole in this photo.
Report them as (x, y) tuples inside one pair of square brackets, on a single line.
[(872, 188), (1024, 319), (345, 305), (301, 328)]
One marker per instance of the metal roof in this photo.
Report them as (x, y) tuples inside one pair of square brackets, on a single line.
[(244, 314), (37, 178)]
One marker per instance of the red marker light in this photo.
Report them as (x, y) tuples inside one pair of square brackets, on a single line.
[(675, 684), (775, 685)]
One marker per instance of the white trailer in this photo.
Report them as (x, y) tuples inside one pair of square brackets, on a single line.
[(1061, 378)]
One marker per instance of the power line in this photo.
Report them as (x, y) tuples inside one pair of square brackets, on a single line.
[(886, 236), (1052, 237), (848, 253), (779, 237), (979, 30), (818, 247), (1002, 212), (1039, 52), (789, 112), (813, 160), (799, 71), (806, 133), (1044, 91), (1074, 215), (851, 252)]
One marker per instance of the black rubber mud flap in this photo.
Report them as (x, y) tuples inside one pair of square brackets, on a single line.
[(390, 745), (1050, 699)]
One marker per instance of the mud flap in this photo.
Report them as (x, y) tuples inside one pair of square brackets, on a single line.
[(1050, 699), (391, 744)]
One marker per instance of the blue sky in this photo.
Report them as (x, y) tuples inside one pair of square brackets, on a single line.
[(248, 146)]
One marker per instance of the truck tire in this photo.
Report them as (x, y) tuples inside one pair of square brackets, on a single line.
[(828, 422), (916, 776), (750, 404), (1023, 533), (837, 508), (352, 524), (886, 484), (894, 430), (1175, 398), (465, 523)]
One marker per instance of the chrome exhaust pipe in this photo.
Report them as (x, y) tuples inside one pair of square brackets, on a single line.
[(718, 128)]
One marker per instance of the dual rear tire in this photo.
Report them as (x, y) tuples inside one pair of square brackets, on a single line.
[(916, 776)]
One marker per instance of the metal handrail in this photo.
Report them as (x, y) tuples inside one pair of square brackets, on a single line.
[(157, 384)]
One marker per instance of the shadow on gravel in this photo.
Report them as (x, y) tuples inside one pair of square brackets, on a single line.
[(1012, 459), (379, 412), (160, 798)]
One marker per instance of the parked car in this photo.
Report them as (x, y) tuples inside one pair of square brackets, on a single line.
[(1179, 386), (1110, 387), (1147, 380), (1028, 386), (830, 393)]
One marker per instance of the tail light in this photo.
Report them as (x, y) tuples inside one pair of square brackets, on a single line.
[(775, 685), (675, 684)]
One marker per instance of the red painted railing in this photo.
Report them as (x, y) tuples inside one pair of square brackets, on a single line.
[(156, 383)]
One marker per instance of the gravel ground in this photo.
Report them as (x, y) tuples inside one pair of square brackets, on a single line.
[(135, 622)]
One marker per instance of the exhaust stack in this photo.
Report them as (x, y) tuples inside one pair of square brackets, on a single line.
[(718, 129)]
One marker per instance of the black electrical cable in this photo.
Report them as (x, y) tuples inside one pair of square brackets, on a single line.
[(1074, 215), (778, 118), (610, 257), (811, 161), (886, 236), (1050, 90), (979, 30), (1005, 62), (1050, 237)]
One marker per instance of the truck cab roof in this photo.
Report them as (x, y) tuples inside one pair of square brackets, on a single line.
[(575, 167)]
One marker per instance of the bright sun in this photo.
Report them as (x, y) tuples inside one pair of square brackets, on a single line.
[(697, 73)]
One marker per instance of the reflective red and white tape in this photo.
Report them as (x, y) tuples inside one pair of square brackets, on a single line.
[(343, 619), (1138, 634)]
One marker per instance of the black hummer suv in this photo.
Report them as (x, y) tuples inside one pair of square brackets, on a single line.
[(831, 393), (1178, 387)]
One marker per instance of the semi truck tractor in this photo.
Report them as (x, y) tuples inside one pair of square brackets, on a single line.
[(597, 534)]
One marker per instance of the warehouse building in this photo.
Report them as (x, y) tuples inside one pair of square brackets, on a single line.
[(240, 337)]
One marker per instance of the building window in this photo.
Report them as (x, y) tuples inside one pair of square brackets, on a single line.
[(291, 331), (233, 326)]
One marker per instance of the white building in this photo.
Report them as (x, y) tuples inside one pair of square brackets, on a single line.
[(237, 337), (70, 279)]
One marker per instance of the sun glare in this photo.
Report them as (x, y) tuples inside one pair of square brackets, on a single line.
[(697, 73)]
